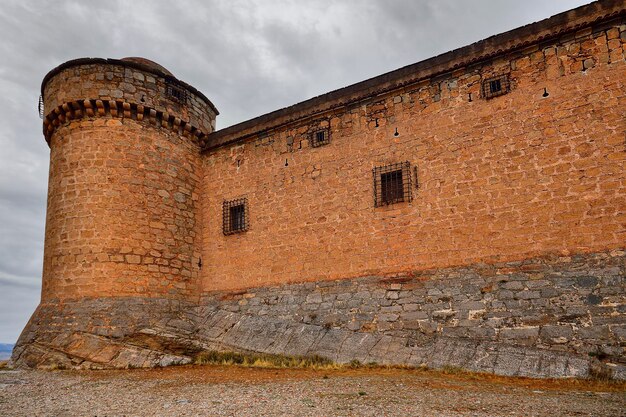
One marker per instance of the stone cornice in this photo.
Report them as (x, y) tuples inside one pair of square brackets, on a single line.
[(93, 108), (125, 63)]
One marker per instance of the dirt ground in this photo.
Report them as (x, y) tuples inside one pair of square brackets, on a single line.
[(238, 391)]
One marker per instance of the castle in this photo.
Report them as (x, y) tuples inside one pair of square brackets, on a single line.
[(467, 210)]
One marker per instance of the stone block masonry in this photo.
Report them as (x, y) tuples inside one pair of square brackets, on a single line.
[(539, 318), (468, 210)]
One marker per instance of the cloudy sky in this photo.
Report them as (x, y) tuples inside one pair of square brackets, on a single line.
[(249, 57)]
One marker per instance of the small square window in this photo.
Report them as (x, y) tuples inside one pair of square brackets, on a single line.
[(392, 184), (496, 86), (235, 216), (319, 138), (177, 93)]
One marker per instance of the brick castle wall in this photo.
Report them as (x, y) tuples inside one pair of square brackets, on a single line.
[(517, 176)]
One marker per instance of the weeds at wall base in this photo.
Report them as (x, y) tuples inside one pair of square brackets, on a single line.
[(598, 380), (264, 360)]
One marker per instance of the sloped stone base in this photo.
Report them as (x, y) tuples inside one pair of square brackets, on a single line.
[(107, 333), (549, 317), (233, 331)]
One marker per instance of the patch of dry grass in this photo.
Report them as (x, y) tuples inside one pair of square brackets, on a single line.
[(263, 360), (4, 365), (600, 372), (602, 382), (450, 373)]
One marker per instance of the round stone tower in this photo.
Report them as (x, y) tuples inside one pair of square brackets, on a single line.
[(123, 226)]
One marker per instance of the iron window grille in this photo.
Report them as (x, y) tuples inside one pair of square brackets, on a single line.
[(496, 86), (177, 93), (392, 184), (320, 137), (235, 216)]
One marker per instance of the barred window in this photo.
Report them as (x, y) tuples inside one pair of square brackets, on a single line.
[(235, 216), (392, 184), (177, 93), (496, 86), (320, 137)]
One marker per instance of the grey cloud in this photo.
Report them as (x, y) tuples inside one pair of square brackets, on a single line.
[(249, 57)]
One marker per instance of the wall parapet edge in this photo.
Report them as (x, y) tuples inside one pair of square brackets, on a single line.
[(567, 25)]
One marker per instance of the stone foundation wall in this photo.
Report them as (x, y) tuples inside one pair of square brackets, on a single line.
[(102, 333), (547, 317), (541, 317)]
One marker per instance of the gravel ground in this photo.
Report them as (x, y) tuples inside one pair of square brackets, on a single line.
[(235, 391)]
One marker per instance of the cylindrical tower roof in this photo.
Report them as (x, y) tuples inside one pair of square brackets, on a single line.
[(140, 63), (134, 87)]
